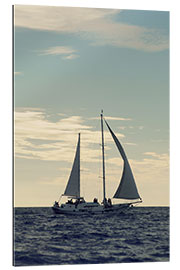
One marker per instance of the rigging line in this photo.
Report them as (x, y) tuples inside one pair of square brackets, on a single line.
[(99, 164), (94, 147), (60, 198), (91, 145)]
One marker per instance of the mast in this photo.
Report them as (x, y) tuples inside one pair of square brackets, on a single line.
[(103, 161)]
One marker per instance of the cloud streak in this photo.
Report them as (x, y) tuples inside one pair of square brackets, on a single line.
[(58, 50), (38, 138), (18, 73), (71, 56), (66, 51), (113, 118), (96, 25)]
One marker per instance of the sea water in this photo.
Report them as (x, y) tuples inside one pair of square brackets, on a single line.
[(44, 238)]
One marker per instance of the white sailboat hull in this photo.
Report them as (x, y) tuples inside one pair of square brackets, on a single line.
[(90, 208)]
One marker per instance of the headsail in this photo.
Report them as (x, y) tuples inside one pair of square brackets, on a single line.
[(73, 185), (127, 188)]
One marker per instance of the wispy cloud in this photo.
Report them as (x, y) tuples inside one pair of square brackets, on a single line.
[(58, 50), (36, 137), (122, 127), (155, 155), (154, 168), (151, 171), (18, 73), (146, 165), (66, 51), (71, 56), (97, 25), (131, 127), (130, 143), (118, 118), (113, 118)]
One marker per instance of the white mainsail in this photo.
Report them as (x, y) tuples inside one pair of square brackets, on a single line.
[(127, 188), (73, 185)]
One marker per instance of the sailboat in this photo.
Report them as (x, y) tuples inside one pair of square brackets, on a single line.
[(127, 189)]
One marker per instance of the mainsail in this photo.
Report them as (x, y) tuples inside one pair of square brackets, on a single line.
[(73, 185), (127, 188)]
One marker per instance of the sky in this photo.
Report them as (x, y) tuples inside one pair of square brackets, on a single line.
[(69, 63)]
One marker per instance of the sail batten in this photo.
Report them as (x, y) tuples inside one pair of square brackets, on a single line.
[(127, 188), (73, 185)]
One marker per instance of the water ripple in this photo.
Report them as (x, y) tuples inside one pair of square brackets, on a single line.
[(43, 238)]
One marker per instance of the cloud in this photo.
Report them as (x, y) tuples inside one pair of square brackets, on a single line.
[(118, 118), (151, 175), (145, 165), (32, 125), (96, 25), (155, 155), (131, 127), (68, 52), (71, 56), (129, 143), (113, 118), (58, 50), (18, 73), (36, 137), (152, 171)]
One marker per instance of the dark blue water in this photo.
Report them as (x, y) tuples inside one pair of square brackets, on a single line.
[(43, 238)]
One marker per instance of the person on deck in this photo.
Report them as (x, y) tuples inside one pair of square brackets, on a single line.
[(76, 203), (109, 202), (56, 204), (95, 200)]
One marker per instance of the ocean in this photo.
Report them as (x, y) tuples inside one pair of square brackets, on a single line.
[(44, 238)]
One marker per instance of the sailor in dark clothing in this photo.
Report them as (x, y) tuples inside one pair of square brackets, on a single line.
[(109, 202), (56, 204), (77, 202)]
